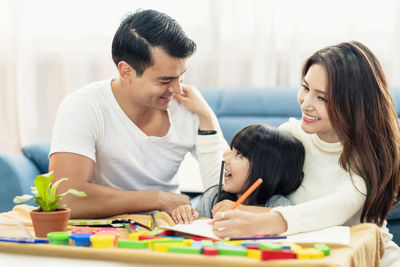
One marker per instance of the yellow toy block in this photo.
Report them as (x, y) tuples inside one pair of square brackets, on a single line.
[(135, 235), (158, 240), (254, 254), (234, 242), (309, 253), (163, 247), (164, 240), (188, 242), (293, 246)]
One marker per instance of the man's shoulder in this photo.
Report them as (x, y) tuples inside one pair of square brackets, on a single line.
[(180, 113), (88, 94)]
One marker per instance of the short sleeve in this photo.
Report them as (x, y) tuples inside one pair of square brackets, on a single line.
[(77, 127)]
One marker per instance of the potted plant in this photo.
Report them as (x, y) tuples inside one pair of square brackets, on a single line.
[(50, 216)]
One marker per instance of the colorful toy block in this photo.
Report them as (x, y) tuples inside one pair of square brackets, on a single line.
[(277, 254), (146, 237), (157, 232), (184, 250), (324, 248), (133, 244), (135, 235), (269, 246), (163, 247), (309, 253), (210, 251), (232, 251), (102, 241), (254, 254), (164, 240)]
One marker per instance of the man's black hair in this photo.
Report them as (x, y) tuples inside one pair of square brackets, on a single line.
[(144, 29)]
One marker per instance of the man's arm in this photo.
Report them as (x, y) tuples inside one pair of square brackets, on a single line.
[(101, 200)]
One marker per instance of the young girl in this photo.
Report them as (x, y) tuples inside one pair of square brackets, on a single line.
[(257, 151)]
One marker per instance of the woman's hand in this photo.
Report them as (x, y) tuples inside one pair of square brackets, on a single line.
[(236, 223), (223, 205), (184, 214), (194, 101)]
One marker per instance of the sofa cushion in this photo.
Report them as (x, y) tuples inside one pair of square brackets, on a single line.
[(38, 153), (394, 213), (17, 174), (264, 102)]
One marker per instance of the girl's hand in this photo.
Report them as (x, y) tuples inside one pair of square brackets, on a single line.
[(224, 205), (194, 101), (236, 223), (184, 214)]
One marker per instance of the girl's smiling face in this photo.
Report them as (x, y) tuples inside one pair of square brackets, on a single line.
[(236, 171)]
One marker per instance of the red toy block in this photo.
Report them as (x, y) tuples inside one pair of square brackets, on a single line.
[(251, 247), (169, 232), (277, 254), (146, 237), (201, 238), (210, 251)]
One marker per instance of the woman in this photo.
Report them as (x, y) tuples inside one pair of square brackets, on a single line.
[(350, 132)]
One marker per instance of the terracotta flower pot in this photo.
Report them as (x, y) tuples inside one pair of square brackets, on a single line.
[(49, 221)]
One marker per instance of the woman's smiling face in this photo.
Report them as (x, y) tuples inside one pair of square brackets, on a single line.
[(315, 118)]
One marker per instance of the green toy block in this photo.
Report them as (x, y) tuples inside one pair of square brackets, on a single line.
[(132, 244), (185, 250), (269, 246), (232, 251), (207, 243), (155, 232), (324, 248)]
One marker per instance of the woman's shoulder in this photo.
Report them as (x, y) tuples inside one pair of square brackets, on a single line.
[(293, 127)]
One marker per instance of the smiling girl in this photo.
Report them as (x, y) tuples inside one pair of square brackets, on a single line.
[(257, 151)]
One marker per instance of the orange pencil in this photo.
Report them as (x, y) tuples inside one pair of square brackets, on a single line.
[(247, 193)]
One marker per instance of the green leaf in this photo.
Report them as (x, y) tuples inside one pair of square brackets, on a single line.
[(42, 183), (74, 192), (23, 198), (54, 187), (44, 193), (34, 191)]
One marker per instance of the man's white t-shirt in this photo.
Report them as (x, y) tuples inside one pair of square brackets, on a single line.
[(91, 123)]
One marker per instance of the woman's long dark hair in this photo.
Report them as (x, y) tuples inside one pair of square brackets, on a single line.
[(275, 156), (361, 112)]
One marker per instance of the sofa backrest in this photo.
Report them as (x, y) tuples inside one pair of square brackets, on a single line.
[(236, 108)]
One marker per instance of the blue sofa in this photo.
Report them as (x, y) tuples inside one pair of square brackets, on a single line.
[(235, 108)]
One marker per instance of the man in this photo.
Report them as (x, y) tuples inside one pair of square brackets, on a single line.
[(122, 140)]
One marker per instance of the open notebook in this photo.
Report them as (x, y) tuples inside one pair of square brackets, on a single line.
[(332, 235)]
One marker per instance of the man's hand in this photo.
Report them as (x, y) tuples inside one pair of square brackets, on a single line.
[(171, 201), (194, 101), (184, 214)]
